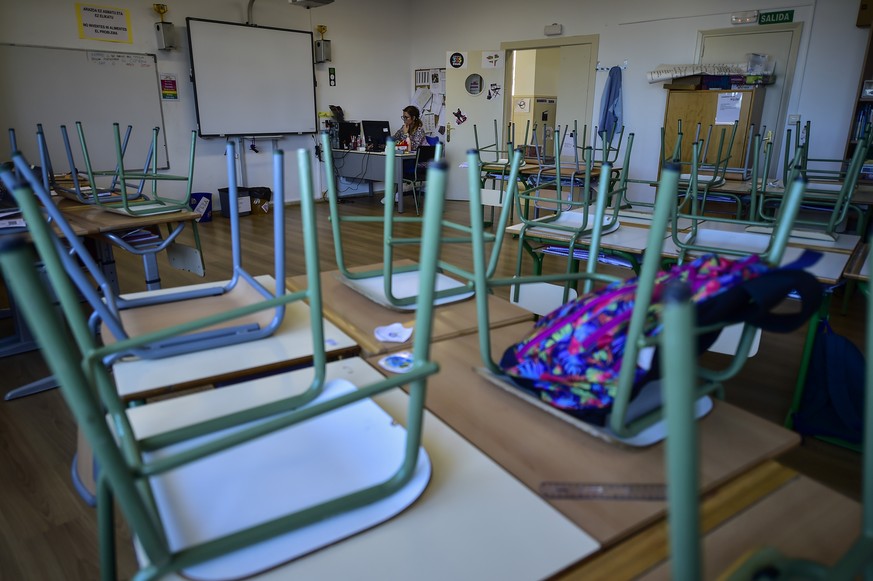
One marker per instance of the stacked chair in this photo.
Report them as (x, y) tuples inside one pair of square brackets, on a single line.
[(634, 421), (231, 485), (127, 192), (574, 217), (393, 286), (117, 318), (129, 199), (832, 183)]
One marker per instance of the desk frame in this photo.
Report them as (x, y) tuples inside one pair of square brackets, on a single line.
[(356, 165)]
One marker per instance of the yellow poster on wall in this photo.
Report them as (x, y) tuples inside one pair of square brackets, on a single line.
[(104, 23)]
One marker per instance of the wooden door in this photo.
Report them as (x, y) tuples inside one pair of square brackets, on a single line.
[(693, 107)]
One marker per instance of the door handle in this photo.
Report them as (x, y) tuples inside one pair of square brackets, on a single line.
[(449, 130)]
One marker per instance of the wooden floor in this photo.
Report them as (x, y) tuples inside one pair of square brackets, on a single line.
[(49, 533)]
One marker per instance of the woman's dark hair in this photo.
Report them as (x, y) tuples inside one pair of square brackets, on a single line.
[(413, 112)]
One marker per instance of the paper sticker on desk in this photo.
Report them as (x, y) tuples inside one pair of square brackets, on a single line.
[(394, 333), (397, 362)]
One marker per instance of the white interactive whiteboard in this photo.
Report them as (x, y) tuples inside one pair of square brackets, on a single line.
[(59, 86), (251, 80)]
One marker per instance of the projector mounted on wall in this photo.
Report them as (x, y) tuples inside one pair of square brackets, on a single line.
[(310, 3)]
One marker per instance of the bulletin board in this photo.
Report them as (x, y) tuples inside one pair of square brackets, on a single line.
[(59, 86), (430, 98), (252, 80)]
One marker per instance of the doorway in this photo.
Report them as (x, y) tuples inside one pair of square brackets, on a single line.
[(731, 45), (576, 60)]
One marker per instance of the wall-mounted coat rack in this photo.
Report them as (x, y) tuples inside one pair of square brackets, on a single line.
[(602, 68)]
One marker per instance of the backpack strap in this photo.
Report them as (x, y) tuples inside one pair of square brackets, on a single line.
[(753, 301)]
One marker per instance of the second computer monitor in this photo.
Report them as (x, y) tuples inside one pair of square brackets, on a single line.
[(349, 134), (375, 134)]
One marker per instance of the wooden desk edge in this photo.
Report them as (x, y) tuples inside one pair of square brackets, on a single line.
[(275, 368), (647, 548)]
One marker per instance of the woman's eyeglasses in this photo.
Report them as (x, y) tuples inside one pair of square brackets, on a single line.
[(405, 117)]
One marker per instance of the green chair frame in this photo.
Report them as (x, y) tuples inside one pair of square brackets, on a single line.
[(338, 221), (152, 202), (127, 464), (620, 425), (566, 210), (108, 307), (831, 192), (678, 362), (692, 210)]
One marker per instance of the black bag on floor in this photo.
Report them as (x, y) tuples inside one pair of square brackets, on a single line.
[(832, 403)]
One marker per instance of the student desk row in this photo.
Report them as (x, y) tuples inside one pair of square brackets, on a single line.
[(481, 516), (631, 238), (744, 491)]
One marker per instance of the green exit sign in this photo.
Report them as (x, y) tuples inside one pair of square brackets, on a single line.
[(779, 17)]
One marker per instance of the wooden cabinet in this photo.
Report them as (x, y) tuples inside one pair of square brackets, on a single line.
[(706, 107)]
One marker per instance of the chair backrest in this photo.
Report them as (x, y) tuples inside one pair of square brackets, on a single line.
[(73, 255), (424, 155), (127, 468)]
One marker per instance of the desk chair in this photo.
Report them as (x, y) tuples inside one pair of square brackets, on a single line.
[(229, 491), (828, 198), (70, 184), (153, 202), (729, 234), (572, 216), (638, 421), (680, 375), (113, 315), (424, 155), (146, 243), (706, 173), (395, 287)]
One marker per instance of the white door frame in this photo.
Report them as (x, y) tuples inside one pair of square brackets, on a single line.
[(556, 42)]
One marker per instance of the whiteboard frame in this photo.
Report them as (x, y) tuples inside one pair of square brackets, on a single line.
[(233, 97)]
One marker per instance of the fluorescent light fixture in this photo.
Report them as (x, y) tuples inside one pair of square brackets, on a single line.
[(747, 17)]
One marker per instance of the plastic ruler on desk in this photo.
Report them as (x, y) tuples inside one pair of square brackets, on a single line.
[(603, 491)]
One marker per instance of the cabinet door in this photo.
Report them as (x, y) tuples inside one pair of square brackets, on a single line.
[(693, 107)]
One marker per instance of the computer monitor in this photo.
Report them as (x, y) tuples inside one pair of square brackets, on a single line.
[(348, 134), (375, 134)]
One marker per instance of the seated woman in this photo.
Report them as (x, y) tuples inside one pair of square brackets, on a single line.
[(412, 133)]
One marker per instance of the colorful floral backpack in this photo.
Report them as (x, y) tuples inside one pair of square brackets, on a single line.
[(573, 356)]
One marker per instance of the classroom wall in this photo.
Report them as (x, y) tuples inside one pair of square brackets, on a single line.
[(377, 44), (374, 74), (666, 32)]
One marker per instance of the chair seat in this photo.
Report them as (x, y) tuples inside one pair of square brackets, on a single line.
[(747, 242), (648, 399), (574, 219), (356, 446), (145, 319), (404, 285)]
